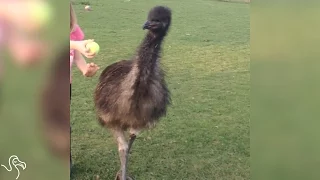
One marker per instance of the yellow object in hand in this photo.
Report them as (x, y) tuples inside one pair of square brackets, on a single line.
[(93, 47)]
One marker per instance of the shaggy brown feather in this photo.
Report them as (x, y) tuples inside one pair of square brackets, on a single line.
[(133, 93)]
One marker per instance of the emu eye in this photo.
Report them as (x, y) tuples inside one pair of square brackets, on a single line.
[(156, 20)]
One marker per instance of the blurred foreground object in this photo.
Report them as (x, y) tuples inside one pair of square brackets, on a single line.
[(27, 15), (26, 51), (21, 29), (56, 107), (26, 41)]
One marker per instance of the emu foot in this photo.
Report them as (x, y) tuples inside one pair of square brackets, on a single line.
[(119, 174)]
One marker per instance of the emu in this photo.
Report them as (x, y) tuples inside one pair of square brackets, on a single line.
[(132, 95)]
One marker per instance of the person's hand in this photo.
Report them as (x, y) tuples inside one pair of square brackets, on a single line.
[(81, 47), (91, 70)]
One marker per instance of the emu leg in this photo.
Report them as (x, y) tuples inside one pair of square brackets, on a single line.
[(123, 159), (119, 174), (131, 140), (133, 135), (123, 155)]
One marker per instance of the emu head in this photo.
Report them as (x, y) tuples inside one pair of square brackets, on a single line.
[(159, 20)]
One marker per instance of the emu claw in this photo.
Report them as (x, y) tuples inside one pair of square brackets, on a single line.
[(118, 177)]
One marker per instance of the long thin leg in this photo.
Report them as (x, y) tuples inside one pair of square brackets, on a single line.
[(133, 135), (123, 153), (124, 149), (131, 140), (123, 158)]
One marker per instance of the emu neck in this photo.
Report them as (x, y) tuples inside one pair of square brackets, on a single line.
[(148, 54)]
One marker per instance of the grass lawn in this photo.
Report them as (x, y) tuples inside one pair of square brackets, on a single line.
[(207, 58)]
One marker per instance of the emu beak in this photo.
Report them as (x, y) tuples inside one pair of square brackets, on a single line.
[(146, 25)]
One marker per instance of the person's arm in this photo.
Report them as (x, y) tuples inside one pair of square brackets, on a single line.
[(75, 45), (80, 62), (87, 70)]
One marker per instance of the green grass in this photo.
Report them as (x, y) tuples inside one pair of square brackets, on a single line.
[(207, 57)]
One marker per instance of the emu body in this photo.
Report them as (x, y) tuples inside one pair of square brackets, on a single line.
[(132, 95)]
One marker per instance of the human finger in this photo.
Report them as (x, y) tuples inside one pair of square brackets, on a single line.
[(91, 54)]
